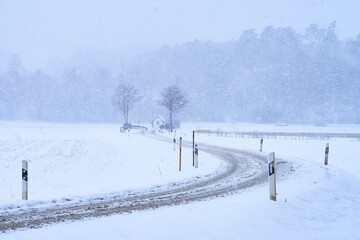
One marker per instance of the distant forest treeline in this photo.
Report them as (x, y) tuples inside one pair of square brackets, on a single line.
[(277, 76)]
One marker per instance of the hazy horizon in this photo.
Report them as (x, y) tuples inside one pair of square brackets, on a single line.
[(39, 31)]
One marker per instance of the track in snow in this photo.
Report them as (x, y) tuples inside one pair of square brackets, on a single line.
[(244, 169)]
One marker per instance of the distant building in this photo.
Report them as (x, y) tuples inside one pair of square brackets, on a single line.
[(157, 122), (167, 126)]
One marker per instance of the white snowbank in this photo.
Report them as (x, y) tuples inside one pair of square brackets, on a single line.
[(321, 202), (67, 161)]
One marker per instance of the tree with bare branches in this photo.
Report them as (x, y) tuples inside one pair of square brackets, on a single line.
[(173, 99), (125, 98)]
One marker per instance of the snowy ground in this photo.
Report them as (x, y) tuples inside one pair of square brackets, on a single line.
[(73, 161), (316, 202)]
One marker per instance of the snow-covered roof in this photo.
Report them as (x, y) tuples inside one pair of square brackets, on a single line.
[(158, 117)]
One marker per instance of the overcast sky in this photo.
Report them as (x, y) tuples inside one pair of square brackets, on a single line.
[(40, 29)]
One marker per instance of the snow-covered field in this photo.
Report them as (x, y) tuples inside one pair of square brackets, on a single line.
[(72, 161), (315, 202)]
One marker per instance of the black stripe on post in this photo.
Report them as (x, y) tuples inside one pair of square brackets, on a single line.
[(24, 174), (327, 150), (271, 169)]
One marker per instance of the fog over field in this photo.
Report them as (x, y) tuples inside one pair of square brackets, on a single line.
[(284, 61), (179, 119)]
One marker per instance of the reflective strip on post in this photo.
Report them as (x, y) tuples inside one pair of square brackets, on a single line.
[(196, 156)]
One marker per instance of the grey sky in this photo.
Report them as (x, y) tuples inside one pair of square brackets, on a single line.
[(40, 29)]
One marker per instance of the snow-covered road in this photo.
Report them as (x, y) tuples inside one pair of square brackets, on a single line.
[(314, 201), (244, 169)]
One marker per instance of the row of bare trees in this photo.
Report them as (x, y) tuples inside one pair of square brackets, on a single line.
[(126, 96)]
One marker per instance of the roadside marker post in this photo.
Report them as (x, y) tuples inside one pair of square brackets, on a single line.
[(261, 144), (196, 151), (193, 148), (174, 140), (180, 154), (326, 153), (272, 178), (25, 183)]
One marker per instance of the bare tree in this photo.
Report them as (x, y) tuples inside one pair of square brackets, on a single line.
[(125, 98), (173, 100)]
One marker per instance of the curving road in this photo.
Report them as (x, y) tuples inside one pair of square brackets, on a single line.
[(243, 169)]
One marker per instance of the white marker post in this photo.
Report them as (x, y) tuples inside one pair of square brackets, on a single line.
[(193, 148), (25, 184), (180, 154), (174, 140), (326, 153), (196, 156), (261, 143), (272, 179)]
